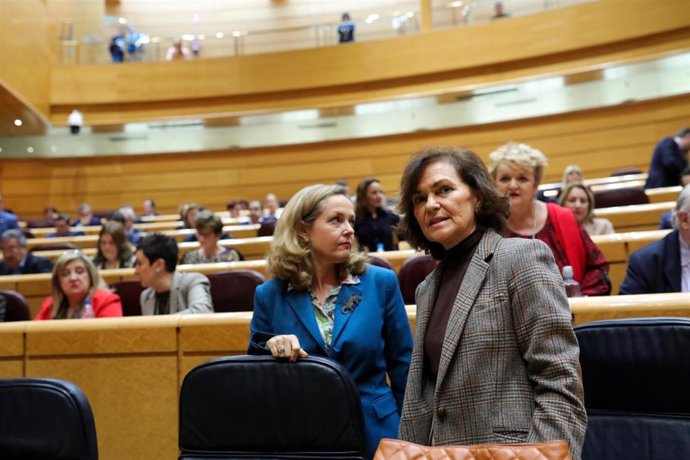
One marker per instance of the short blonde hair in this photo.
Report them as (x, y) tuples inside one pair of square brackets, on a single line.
[(568, 171), (520, 154), (60, 306), (290, 256)]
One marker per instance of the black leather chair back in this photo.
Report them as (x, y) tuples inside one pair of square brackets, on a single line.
[(45, 419), (257, 407), (233, 290), (53, 247), (412, 272), (607, 198), (16, 306), (130, 296), (636, 375)]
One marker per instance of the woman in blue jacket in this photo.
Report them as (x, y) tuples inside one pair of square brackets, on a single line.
[(325, 300)]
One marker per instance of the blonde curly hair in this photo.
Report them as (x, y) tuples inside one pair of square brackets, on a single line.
[(520, 154), (290, 255)]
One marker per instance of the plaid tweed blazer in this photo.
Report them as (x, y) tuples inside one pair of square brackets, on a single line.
[(509, 369)]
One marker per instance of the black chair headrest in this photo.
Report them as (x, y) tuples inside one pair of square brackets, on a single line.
[(44, 419), (639, 365), (260, 404)]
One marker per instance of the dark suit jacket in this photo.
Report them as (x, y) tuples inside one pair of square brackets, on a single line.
[(32, 264), (655, 268), (668, 161), (371, 339)]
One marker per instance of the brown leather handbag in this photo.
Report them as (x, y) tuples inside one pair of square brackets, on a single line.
[(393, 449)]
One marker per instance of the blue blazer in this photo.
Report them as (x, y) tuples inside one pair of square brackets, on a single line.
[(371, 339), (655, 268)]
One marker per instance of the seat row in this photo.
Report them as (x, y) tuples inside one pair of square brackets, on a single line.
[(616, 248)]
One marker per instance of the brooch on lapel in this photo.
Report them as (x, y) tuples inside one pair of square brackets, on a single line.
[(351, 303)]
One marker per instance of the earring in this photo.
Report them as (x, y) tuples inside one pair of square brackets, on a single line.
[(476, 208)]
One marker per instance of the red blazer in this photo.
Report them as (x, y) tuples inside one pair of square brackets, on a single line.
[(105, 304)]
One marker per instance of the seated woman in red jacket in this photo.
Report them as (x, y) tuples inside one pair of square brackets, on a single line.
[(76, 292)]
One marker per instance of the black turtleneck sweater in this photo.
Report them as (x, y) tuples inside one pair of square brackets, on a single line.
[(453, 267)]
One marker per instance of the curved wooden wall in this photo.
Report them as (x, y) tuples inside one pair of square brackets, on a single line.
[(600, 140), (561, 40)]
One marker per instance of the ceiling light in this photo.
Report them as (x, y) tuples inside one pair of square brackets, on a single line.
[(17, 122), (30, 149)]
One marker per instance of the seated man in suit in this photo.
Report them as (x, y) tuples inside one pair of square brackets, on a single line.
[(663, 266), (167, 290), (17, 260), (62, 227)]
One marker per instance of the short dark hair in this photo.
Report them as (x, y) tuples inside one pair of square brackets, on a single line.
[(206, 219), (158, 246), (492, 212), (683, 132)]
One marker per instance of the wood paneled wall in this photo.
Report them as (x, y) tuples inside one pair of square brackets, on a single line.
[(600, 140)]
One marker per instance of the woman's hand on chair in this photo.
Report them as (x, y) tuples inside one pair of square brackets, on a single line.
[(286, 346)]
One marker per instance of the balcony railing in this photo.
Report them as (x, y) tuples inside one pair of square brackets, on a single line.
[(222, 42)]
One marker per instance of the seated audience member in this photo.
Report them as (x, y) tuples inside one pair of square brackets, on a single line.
[(665, 220), (7, 221), (113, 250), (234, 208), (669, 159), (374, 224), (272, 206), (149, 208), (664, 265), (17, 260), (517, 170), (85, 216), (209, 229), (77, 291), (580, 199), (62, 227), (126, 216), (50, 213), (572, 174), (167, 290), (189, 219), (256, 212)]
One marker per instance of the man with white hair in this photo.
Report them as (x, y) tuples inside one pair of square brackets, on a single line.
[(663, 266)]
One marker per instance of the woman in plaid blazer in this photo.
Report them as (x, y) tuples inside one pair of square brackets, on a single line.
[(495, 358)]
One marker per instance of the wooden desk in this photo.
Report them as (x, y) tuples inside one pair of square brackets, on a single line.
[(636, 217), (662, 194), (131, 369), (586, 309)]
